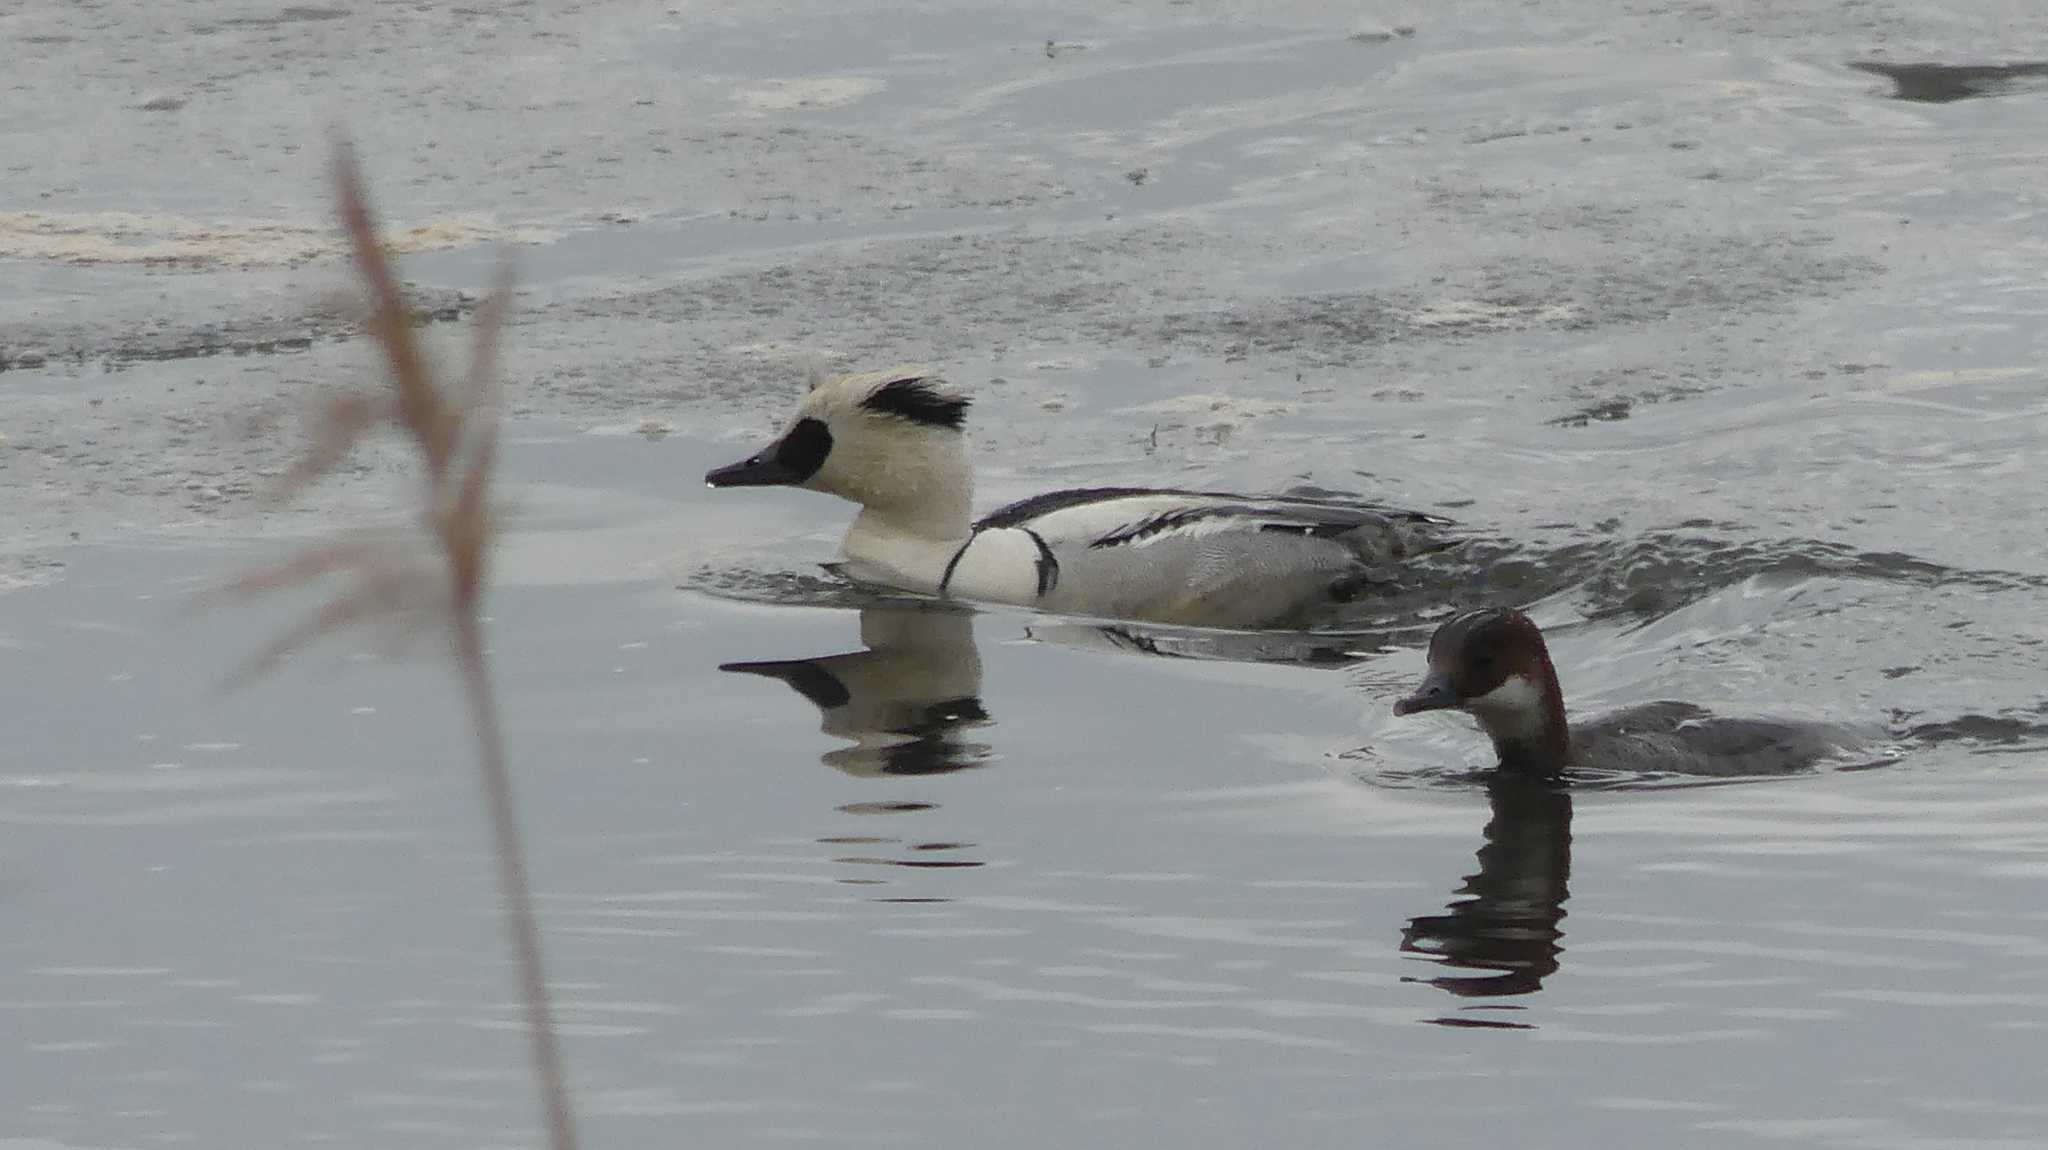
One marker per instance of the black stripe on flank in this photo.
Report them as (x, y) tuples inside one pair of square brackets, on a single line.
[(942, 716), (918, 401), (946, 580), (1048, 565), (1166, 521), (1310, 530)]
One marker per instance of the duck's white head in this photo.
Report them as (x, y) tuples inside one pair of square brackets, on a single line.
[(891, 441)]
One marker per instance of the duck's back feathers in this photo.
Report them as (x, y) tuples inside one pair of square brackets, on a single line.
[(1099, 517), (1681, 738), (1025, 510), (1207, 558)]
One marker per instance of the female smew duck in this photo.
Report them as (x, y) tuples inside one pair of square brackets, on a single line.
[(1492, 664), (892, 441)]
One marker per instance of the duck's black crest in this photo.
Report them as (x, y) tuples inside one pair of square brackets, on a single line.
[(917, 401)]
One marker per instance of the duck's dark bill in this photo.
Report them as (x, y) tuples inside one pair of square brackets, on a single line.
[(787, 462), (1435, 694), (763, 470)]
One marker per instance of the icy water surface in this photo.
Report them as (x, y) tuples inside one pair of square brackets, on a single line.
[(1720, 327), (1077, 895)]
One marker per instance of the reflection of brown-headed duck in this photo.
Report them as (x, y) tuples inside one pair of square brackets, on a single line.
[(893, 442), (905, 700), (1507, 928), (1492, 664)]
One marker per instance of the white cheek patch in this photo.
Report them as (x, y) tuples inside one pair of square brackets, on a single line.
[(1517, 704)]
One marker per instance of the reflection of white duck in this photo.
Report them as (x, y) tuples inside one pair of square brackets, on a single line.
[(1166, 641), (903, 701), (892, 442)]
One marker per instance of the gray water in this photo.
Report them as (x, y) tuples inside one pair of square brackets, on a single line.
[(1722, 329)]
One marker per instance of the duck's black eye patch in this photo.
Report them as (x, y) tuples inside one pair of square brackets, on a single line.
[(802, 452), (917, 401), (820, 686)]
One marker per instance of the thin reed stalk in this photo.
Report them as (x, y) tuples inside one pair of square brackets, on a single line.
[(522, 929), (453, 431)]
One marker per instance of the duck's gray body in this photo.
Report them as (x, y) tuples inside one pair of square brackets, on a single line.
[(1202, 558), (891, 441), (1682, 739)]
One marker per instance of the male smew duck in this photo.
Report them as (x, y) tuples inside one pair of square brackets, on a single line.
[(892, 441)]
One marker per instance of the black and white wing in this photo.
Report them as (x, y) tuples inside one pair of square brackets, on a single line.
[(1208, 557), (1108, 517)]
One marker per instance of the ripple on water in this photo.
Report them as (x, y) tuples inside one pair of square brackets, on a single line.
[(1740, 287)]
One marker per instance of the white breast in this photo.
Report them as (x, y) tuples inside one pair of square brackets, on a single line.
[(1001, 565), (872, 554)]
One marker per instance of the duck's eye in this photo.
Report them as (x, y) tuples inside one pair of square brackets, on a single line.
[(1483, 664)]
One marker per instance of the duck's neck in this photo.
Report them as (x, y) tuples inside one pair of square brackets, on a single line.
[(912, 521), (922, 492), (1528, 727), (919, 522)]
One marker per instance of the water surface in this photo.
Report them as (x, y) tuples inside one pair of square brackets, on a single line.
[(1100, 894), (1727, 353)]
